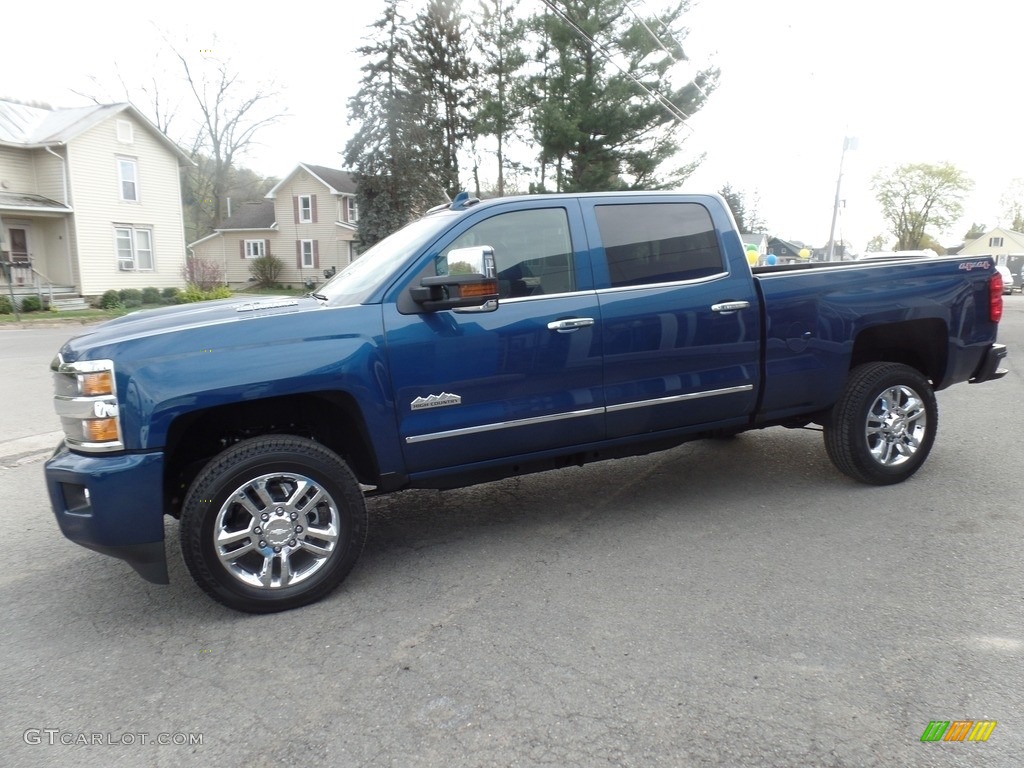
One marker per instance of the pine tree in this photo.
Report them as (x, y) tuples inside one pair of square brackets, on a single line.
[(501, 87), (602, 127), (444, 75), (384, 155)]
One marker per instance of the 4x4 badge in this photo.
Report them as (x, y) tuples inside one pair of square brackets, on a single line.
[(436, 401)]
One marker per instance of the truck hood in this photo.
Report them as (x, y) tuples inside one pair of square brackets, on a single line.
[(204, 314)]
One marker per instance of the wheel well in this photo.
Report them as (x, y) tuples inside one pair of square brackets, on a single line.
[(330, 418), (921, 344)]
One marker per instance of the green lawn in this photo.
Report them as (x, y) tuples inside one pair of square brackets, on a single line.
[(98, 315)]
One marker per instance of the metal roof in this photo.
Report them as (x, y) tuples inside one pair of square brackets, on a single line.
[(27, 126)]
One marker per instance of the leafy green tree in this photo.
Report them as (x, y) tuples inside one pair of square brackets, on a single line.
[(917, 196), (976, 231), (198, 194), (930, 242), (608, 116), (877, 243), (501, 87), (1013, 205)]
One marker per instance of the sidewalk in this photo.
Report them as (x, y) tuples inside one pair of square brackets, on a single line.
[(25, 450)]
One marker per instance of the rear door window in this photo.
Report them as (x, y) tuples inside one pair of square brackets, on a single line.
[(652, 243)]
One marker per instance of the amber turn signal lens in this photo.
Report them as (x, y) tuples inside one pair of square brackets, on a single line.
[(100, 383), (100, 430), (488, 288)]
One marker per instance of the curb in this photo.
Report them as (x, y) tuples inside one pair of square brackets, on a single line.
[(23, 449)]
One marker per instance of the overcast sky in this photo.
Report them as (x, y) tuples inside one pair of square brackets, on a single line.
[(914, 80)]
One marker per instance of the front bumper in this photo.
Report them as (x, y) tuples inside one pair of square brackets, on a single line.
[(988, 369), (112, 504)]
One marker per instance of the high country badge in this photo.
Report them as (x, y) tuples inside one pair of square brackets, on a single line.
[(436, 401)]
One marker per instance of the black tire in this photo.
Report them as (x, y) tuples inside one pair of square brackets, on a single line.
[(291, 520), (883, 426)]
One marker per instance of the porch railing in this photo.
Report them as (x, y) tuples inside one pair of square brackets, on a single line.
[(38, 278)]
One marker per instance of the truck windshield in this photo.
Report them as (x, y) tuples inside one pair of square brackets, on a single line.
[(361, 278)]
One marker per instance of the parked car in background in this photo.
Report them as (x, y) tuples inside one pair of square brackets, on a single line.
[(1007, 276)]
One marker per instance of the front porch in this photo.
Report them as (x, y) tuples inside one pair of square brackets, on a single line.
[(60, 298), (36, 250)]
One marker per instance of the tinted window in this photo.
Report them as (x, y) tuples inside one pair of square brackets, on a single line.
[(532, 251), (658, 242)]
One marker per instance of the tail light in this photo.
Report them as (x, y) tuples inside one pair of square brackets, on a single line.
[(995, 297)]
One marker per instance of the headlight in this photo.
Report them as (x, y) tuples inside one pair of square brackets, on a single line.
[(86, 400)]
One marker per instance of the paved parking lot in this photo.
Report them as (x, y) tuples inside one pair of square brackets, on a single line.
[(727, 603)]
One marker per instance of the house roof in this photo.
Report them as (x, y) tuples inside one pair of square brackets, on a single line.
[(338, 182), (258, 215), (32, 127), (790, 245), (1016, 238), (17, 201)]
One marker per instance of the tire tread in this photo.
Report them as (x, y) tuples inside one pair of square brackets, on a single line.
[(195, 508), (844, 432)]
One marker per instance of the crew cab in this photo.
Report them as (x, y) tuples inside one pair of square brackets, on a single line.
[(484, 340)]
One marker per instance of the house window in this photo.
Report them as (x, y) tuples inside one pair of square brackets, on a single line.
[(127, 170), (995, 242), (353, 210), (255, 249), (306, 254), (305, 208), (125, 134), (134, 249)]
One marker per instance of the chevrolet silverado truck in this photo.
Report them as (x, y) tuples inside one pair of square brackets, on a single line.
[(490, 339)]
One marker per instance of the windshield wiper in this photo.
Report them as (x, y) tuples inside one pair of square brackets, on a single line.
[(317, 296)]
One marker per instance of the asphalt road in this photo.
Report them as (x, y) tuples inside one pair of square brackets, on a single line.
[(732, 603)]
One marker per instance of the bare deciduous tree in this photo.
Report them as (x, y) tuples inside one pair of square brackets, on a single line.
[(230, 116)]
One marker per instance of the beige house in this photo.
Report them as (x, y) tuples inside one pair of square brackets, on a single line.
[(90, 199), (308, 221), (1006, 245)]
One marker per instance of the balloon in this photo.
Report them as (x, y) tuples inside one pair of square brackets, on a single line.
[(772, 259), (751, 258), (804, 253)]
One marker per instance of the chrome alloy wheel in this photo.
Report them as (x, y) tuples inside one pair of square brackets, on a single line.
[(896, 425), (276, 530)]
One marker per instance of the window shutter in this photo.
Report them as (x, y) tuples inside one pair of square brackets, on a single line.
[(241, 248), (312, 205), (266, 247), (298, 254), (344, 209), (295, 207), (316, 254)]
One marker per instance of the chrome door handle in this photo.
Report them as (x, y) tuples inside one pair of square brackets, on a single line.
[(730, 306), (570, 324)]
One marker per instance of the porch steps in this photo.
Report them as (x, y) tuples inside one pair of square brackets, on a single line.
[(67, 304)]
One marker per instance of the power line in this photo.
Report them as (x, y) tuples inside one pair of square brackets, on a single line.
[(657, 39), (671, 108)]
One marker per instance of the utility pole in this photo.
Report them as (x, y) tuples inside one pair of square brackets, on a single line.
[(849, 142)]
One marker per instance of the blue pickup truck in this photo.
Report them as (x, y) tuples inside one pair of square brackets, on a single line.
[(490, 339)]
